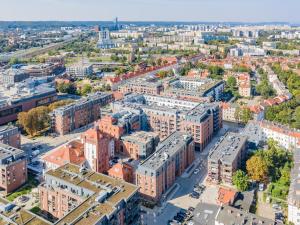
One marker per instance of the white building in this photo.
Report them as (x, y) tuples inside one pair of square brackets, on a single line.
[(104, 41), (80, 70), (294, 192)]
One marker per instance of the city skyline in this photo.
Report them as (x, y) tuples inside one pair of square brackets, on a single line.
[(155, 10)]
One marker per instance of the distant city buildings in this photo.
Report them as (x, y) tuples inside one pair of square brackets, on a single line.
[(104, 41), (244, 33)]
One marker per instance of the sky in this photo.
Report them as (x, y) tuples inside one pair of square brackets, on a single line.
[(152, 10)]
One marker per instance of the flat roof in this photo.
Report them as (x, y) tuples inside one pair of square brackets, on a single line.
[(9, 151), (165, 150), (227, 148), (91, 211), (140, 137)]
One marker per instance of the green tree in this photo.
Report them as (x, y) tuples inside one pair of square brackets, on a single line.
[(86, 89), (231, 82), (13, 61), (241, 180), (243, 114)]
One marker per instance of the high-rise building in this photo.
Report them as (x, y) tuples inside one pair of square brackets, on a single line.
[(104, 41)]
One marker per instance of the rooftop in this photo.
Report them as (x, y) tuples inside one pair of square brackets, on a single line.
[(227, 148), (9, 154), (87, 100), (72, 152), (100, 186), (140, 137), (166, 150), (230, 215)]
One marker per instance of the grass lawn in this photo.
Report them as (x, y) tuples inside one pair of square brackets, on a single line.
[(26, 189), (35, 210)]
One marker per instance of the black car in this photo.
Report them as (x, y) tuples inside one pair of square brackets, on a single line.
[(191, 209)]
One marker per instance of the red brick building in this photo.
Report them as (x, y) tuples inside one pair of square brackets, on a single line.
[(159, 172), (139, 145), (98, 149), (123, 171), (81, 113), (13, 168), (10, 135)]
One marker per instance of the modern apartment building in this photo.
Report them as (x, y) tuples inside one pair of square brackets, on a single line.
[(25, 95), (43, 70), (12, 76), (141, 86), (81, 113), (121, 123), (226, 157), (10, 135), (167, 115), (80, 70), (13, 167), (159, 171), (195, 87), (76, 195), (140, 144)]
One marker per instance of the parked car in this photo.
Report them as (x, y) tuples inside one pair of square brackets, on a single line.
[(196, 171), (191, 209), (261, 187)]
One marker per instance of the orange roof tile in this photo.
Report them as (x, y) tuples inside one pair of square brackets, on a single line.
[(226, 196), (72, 152)]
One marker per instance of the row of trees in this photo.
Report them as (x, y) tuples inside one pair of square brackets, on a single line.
[(264, 88), (37, 120), (70, 88), (272, 165), (287, 113)]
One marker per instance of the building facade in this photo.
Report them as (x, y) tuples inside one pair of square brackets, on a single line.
[(10, 135), (75, 195), (226, 158), (81, 113), (13, 165), (140, 144), (159, 171)]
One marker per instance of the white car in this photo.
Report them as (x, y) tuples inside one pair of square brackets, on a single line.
[(196, 171)]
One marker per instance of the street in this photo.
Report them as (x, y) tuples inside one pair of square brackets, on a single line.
[(181, 199)]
